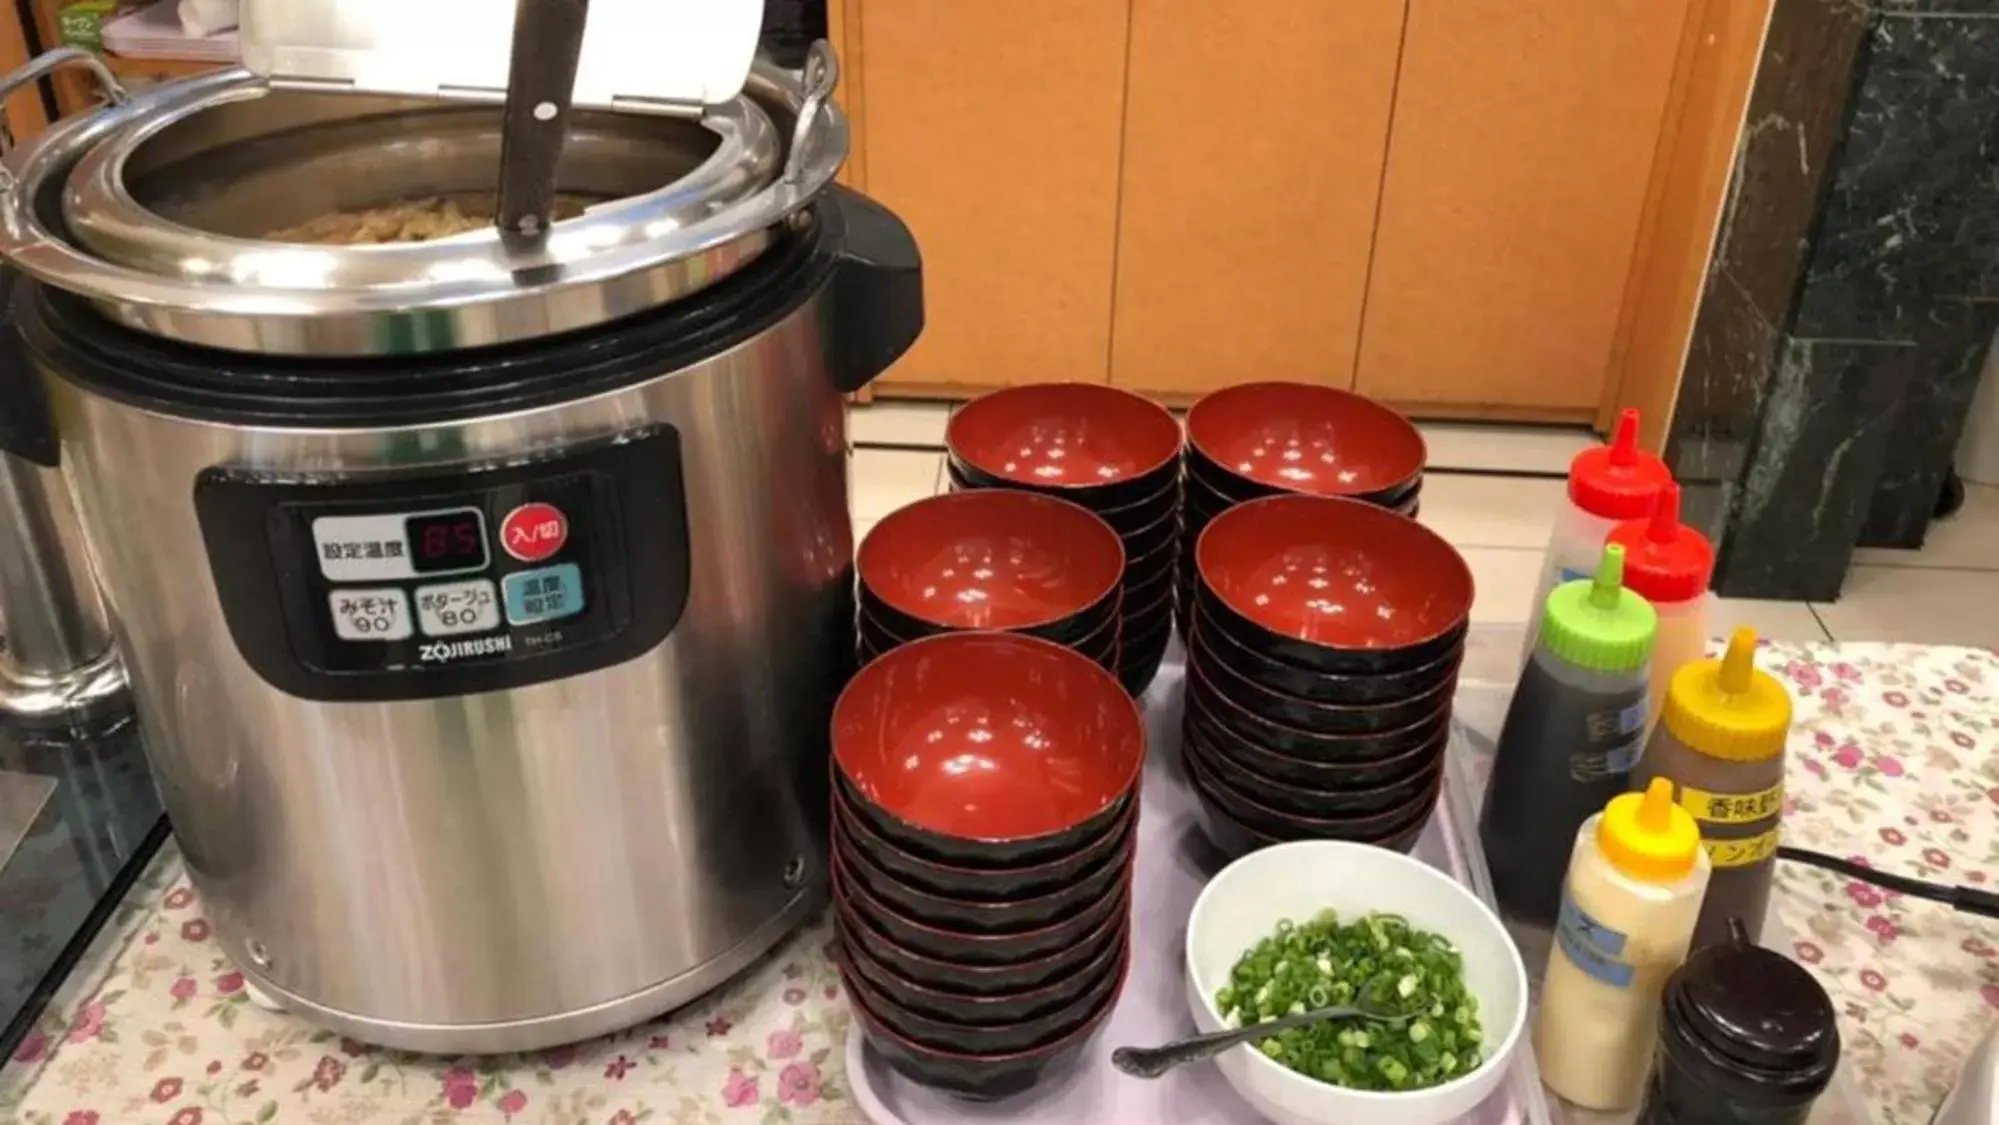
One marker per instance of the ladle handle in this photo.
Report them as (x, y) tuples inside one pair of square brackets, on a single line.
[(548, 41), (821, 74), (41, 66)]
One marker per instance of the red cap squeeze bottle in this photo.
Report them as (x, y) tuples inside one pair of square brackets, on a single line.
[(1608, 484), (1670, 565), (1618, 481), (1664, 559)]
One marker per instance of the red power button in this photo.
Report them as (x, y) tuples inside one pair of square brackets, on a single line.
[(533, 532)]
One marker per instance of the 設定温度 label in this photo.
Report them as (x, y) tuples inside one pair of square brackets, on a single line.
[(1596, 949)]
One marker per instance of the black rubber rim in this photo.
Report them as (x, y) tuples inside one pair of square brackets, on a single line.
[(64, 333)]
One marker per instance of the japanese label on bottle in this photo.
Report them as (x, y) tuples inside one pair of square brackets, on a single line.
[(1616, 740), (1732, 808), (1742, 853), (1591, 946)]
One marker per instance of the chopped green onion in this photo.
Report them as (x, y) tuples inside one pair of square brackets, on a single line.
[(1379, 962)]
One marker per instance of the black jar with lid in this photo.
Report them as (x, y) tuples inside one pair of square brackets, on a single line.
[(1746, 1037)]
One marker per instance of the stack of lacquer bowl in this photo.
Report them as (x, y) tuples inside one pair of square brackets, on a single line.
[(1324, 643), (985, 816), (1266, 439), (999, 560), (1111, 451)]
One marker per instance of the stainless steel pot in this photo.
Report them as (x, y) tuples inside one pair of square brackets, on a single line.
[(487, 687)]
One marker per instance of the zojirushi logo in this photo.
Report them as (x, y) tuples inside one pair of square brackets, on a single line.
[(442, 652)]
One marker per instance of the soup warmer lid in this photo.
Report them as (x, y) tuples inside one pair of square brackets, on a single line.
[(685, 157)]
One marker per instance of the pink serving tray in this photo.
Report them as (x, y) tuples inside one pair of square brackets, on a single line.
[(1175, 861)]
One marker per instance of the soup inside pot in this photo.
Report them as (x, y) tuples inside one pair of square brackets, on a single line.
[(413, 220)]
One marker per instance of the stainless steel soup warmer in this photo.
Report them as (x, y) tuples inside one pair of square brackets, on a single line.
[(484, 601)]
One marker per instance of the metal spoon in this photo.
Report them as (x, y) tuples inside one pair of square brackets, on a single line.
[(1151, 1062)]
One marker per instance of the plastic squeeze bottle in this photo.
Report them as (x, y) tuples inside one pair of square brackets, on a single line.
[(1669, 564), (1629, 902), (1572, 735), (1721, 740), (1608, 484)]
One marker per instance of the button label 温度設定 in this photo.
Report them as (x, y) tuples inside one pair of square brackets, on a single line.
[(544, 595)]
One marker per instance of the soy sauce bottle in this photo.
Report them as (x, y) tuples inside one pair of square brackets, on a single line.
[(1746, 1037), (1572, 737)]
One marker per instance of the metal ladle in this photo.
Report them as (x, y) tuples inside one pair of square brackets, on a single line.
[(541, 80), (1151, 1062)]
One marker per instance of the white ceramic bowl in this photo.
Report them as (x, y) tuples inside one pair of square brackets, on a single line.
[(1243, 905)]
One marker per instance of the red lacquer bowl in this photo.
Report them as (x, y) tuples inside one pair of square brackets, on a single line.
[(1335, 585), (1248, 810), (990, 884), (1301, 437), (988, 748), (974, 1076), (1114, 446), (991, 559), (984, 915)]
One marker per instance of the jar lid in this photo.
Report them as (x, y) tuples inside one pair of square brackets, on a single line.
[(1618, 481), (1596, 623), (1665, 561), (1729, 708), (1758, 1017)]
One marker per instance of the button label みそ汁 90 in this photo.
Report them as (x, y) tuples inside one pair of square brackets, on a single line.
[(370, 614)]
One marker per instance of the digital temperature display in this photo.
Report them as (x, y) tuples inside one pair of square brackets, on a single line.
[(445, 541)]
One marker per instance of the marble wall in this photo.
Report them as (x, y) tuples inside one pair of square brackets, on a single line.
[(1852, 293)]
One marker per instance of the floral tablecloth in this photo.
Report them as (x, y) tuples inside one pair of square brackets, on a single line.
[(1893, 762)]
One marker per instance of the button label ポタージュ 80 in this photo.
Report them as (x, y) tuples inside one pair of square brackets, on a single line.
[(451, 608)]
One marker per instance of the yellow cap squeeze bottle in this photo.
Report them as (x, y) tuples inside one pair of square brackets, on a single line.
[(1629, 904), (1720, 740)]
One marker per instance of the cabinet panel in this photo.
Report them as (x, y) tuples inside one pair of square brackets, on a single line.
[(1517, 168), (992, 129), (25, 116), (1253, 149)]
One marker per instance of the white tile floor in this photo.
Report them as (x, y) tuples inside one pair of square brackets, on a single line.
[(1947, 593)]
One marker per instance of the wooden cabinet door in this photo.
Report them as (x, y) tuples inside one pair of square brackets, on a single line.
[(1517, 169), (992, 129), (1254, 137), (25, 116)]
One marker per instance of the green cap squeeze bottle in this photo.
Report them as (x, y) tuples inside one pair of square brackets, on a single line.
[(1573, 734)]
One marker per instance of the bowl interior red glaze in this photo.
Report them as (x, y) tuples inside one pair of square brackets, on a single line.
[(1306, 438), (991, 559), (985, 736), (1064, 435), (1332, 572)]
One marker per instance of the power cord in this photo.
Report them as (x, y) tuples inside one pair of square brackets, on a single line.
[(1965, 900)]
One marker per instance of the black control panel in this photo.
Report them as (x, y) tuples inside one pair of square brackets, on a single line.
[(417, 586)]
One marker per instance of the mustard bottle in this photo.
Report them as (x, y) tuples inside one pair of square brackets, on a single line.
[(1720, 740), (1629, 903)]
